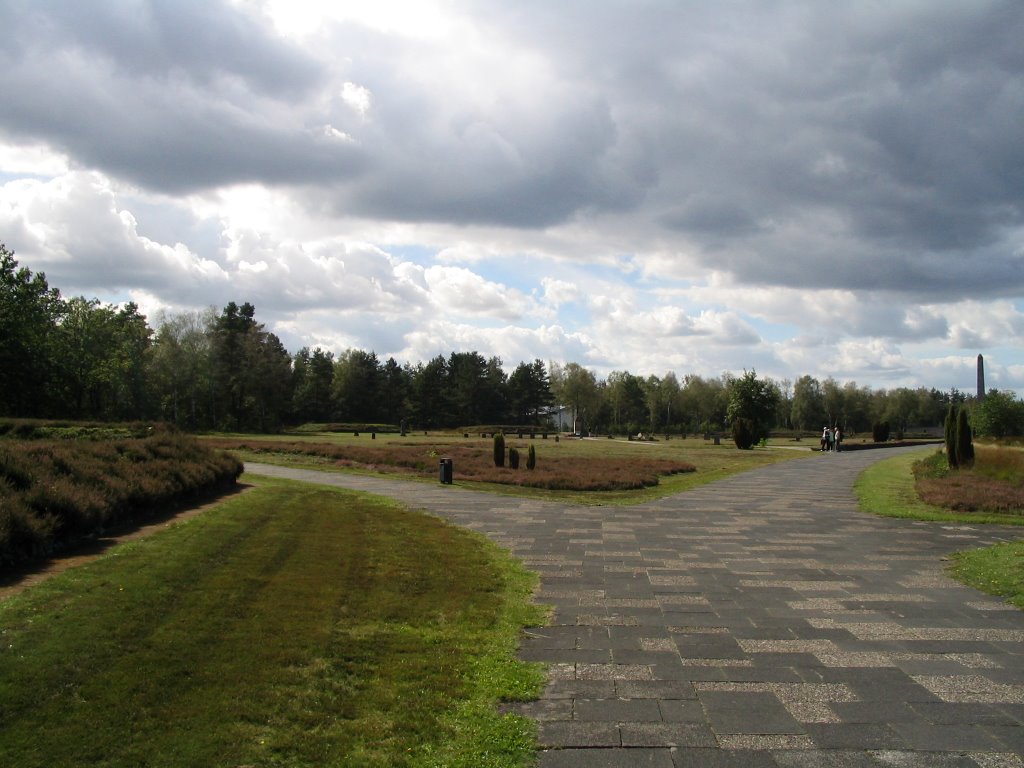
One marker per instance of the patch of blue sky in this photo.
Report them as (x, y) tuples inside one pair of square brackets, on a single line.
[(512, 275), (773, 332), (573, 316), (8, 177), (415, 254)]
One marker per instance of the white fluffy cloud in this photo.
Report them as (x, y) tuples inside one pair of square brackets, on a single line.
[(830, 189)]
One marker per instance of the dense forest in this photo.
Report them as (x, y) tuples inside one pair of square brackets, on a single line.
[(80, 359)]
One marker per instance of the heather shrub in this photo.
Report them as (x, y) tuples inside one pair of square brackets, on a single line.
[(992, 484), (14, 470), (475, 462), (57, 492), (24, 536)]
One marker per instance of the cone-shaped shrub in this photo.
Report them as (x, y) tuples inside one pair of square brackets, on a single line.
[(531, 458), (949, 431), (499, 450), (964, 446), (513, 458)]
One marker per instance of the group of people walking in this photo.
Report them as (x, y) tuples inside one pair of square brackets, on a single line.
[(831, 438)]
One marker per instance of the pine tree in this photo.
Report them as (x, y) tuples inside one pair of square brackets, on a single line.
[(964, 446), (950, 435)]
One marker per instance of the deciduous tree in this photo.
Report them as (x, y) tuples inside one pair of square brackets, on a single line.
[(753, 399)]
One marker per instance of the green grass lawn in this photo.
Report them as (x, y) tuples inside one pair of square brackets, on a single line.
[(887, 488), (293, 625)]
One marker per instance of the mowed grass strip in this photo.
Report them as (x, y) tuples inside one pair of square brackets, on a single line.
[(295, 625), (997, 570)]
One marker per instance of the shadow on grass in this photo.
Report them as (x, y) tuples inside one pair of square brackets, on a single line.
[(15, 580)]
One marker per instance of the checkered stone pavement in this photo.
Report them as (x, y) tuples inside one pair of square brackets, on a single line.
[(758, 621)]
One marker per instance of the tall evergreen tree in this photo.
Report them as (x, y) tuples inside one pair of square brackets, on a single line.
[(357, 386), (964, 442), (467, 375), (312, 377), (29, 313), (949, 431), (228, 356), (395, 383), (529, 391), (429, 393)]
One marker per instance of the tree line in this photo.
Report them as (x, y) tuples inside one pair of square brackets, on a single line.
[(78, 358)]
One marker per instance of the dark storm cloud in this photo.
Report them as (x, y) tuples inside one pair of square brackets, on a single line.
[(861, 146), (198, 39), (818, 144), (173, 96), (502, 167)]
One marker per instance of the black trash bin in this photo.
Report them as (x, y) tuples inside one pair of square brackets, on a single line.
[(445, 471)]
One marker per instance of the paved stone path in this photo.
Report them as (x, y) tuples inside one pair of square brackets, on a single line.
[(758, 621)]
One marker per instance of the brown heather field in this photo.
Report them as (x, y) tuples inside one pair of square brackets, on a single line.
[(57, 492), (994, 484), (473, 460)]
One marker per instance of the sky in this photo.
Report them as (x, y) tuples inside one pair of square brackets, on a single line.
[(818, 188)]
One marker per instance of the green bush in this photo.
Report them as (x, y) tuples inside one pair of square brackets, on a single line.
[(743, 433), (880, 431), (513, 458), (964, 445), (949, 432), (531, 458), (499, 450)]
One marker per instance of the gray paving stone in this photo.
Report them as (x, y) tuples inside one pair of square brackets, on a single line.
[(855, 736), (686, 735), (820, 758), (655, 689), (681, 711), (942, 738), (617, 710), (768, 579), (949, 713), (747, 712), (722, 758), (570, 733), (605, 758)]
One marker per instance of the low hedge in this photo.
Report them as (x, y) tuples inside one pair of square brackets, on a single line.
[(57, 492)]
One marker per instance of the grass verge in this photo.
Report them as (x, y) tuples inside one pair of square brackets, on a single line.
[(997, 570), (296, 625), (887, 488)]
